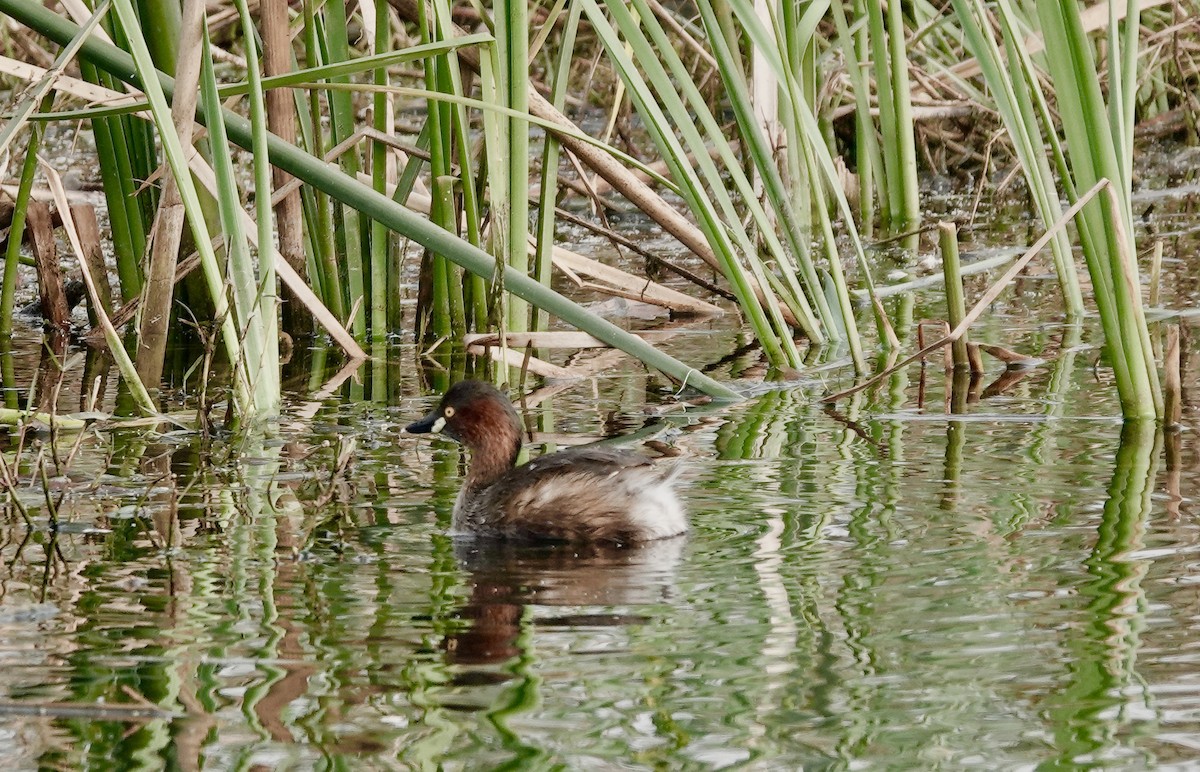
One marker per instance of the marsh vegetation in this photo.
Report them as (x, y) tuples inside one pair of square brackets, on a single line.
[(908, 286)]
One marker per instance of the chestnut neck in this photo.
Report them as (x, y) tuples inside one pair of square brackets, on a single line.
[(494, 442)]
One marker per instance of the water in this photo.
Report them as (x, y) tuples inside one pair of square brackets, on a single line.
[(998, 576), (883, 585)]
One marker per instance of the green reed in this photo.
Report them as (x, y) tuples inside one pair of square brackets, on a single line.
[(1101, 135), (373, 205)]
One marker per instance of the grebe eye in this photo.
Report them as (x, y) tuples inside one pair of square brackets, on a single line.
[(448, 412)]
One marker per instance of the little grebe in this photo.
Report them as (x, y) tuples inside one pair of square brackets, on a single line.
[(582, 494)]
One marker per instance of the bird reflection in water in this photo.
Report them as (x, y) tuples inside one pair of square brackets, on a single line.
[(507, 578)]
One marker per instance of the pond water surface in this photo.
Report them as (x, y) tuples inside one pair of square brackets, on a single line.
[(886, 584), (996, 575)]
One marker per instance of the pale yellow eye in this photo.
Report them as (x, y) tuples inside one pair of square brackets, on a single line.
[(448, 412)]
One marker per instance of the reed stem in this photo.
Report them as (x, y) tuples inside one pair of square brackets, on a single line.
[(16, 231), (956, 305)]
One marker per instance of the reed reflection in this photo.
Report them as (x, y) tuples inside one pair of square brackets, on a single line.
[(1104, 689)]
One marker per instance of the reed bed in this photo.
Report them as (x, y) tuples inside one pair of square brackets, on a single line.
[(771, 140)]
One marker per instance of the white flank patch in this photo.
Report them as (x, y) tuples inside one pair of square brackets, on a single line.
[(550, 490), (657, 512)]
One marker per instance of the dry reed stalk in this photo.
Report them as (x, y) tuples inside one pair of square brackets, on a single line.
[(644, 198), (1008, 356), (40, 228), (638, 249), (32, 50), (602, 186), (1173, 383), (281, 121), (524, 361), (559, 339), (689, 42), (88, 228), (975, 359), (158, 292), (521, 349), (626, 285), (44, 194), (96, 95)]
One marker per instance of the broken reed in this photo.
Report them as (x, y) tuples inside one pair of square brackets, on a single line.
[(956, 305)]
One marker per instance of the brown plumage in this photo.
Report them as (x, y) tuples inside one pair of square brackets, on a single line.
[(582, 494)]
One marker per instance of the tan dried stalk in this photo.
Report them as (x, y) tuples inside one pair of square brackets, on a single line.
[(159, 290)]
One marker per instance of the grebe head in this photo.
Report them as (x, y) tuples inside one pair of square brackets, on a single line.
[(479, 416)]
